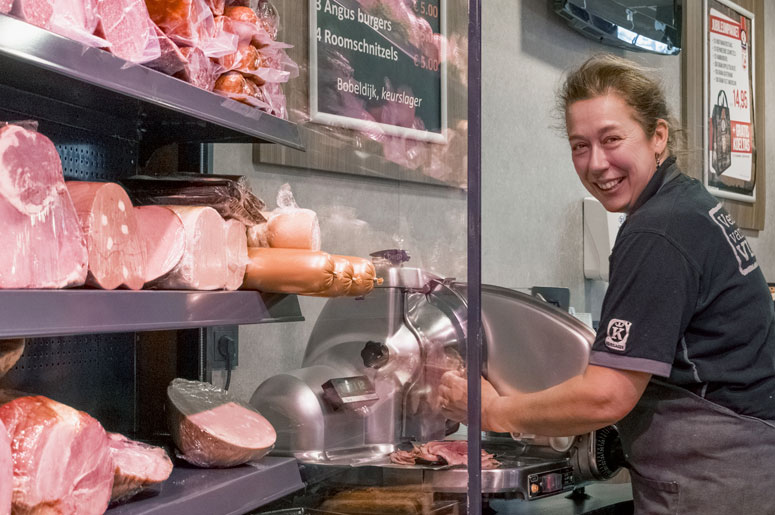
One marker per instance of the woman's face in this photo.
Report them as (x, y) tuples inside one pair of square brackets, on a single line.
[(611, 153)]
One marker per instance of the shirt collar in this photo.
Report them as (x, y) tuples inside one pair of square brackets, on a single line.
[(666, 172)]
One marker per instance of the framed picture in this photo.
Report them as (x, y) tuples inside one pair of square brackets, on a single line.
[(729, 141)]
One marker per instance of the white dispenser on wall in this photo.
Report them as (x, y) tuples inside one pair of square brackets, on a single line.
[(600, 230)]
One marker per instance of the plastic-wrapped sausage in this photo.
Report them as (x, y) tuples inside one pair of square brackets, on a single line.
[(364, 275), (303, 272)]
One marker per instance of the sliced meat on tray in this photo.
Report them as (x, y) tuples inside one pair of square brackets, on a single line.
[(116, 252), (204, 262), (212, 429), (162, 231), (61, 457), (442, 452), (137, 466), (6, 472), (45, 246)]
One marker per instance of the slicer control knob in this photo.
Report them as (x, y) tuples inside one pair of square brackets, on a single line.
[(375, 354)]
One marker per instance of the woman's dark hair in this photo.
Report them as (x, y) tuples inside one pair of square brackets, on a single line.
[(606, 73)]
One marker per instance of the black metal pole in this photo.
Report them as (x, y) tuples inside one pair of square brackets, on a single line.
[(473, 349)]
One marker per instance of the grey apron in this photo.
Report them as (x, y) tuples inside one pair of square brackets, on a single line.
[(688, 455)]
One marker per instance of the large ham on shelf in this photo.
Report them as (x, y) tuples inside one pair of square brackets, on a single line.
[(137, 465), (161, 229), (44, 244)]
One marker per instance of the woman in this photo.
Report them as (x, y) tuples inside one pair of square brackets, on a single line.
[(684, 360)]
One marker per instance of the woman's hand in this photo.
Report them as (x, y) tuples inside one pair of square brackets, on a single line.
[(453, 392)]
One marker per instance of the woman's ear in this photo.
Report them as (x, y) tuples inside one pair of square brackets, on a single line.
[(661, 134)]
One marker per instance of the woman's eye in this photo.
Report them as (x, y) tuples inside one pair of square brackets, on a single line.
[(611, 139), (578, 147)]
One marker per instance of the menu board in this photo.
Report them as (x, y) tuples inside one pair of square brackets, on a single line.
[(730, 168), (377, 67)]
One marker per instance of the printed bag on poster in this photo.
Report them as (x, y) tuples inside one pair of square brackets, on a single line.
[(721, 134)]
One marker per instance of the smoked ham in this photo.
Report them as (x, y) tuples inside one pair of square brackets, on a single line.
[(364, 275), (10, 352), (304, 272), (125, 24), (61, 457), (162, 232), (212, 429), (204, 263), (137, 466), (236, 253), (116, 253), (45, 246), (6, 472)]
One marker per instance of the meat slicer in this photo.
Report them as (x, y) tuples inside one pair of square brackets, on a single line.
[(371, 370)]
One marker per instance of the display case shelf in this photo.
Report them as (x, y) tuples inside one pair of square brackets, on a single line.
[(193, 491), (167, 110), (39, 313)]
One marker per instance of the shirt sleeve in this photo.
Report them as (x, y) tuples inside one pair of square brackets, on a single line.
[(648, 305)]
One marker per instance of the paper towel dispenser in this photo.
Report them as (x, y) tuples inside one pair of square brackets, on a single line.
[(600, 230)]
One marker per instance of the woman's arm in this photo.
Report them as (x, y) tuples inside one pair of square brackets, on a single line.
[(595, 399)]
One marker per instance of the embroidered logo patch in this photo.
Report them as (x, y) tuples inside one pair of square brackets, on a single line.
[(618, 332)]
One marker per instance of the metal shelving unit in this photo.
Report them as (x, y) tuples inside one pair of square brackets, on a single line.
[(109, 353)]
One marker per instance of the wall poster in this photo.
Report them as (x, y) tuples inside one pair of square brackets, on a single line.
[(729, 140), (376, 68)]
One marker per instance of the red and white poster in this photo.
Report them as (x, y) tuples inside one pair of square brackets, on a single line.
[(730, 168)]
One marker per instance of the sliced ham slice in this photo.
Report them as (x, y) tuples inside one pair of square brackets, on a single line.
[(211, 429), (137, 466), (236, 253), (125, 24), (36, 12), (116, 253), (45, 246), (61, 458), (6, 472), (10, 352), (161, 229), (204, 263), (441, 452), (304, 272)]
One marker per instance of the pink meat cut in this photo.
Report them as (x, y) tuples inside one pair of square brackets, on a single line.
[(44, 244), (61, 457), (204, 263), (236, 253), (199, 70), (36, 12), (171, 60), (212, 429), (162, 232), (116, 253), (5, 8), (126, 25), (442, 452), (137, 465), (6, 472)]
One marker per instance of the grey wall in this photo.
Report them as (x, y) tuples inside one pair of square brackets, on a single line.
[(531, 220)]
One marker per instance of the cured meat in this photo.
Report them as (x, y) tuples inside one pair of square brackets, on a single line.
[(246, 60), (61, 458), (77, 20), (10, 352), (162, 232), (212, 429), (343, 278), (216, 6), (199, 70), (36, 12), (48, 248), (187, 22), (235, 86), (116, 252), (291, 227), (303, 272), (126, 26), (442, 452), (171, 60), (364, 275), (247, 26), (6, 472), (203, 265), (236, 253), (137, 466), (5, 8)]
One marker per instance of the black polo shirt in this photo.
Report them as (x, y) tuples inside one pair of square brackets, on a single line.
[(687, 300)]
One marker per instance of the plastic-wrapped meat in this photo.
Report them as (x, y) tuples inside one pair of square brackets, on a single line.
[(36, 12), (116, 252), (343, 278), (187, 22), (137, 466), (199, 70), (212, 429), (268, 18), (216, 6), (295, 271), (247, 26), (235, 86), (204, 263), (126, 26), (48, 249), (364, 275), (246, 60), (77, 20), (165, 239), (5, 8), (6, 472), (61, 457), (275, 97), (171, 60), (236, 253)]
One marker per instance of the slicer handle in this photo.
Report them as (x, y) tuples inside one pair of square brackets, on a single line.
[(375, 354)]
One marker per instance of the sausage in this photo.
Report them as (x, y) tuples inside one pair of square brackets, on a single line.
[(303, 272)]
